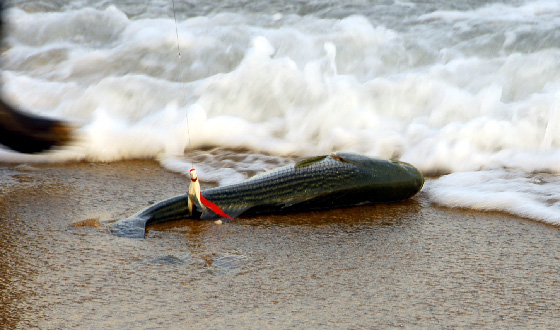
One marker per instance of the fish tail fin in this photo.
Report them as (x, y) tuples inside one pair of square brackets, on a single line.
[(132, 227)]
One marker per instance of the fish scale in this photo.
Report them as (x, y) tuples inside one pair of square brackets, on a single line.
[(286, 181)]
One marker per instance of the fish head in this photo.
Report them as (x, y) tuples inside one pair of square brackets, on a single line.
[(396, 169)]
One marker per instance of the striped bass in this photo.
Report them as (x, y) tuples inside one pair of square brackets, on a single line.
[(337, 180)]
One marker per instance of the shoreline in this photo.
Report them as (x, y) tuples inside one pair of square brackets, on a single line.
[(408, 264)]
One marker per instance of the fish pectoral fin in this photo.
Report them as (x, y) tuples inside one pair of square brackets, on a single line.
[(290, 203), (287, 204)]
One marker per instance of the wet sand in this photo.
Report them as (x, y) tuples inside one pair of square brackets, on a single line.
[(405, 265)]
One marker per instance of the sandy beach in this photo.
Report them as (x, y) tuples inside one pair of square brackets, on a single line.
[(405, 265), (469, 90)]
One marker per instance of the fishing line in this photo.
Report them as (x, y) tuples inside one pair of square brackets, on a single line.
[(194, 187), (181, 74)]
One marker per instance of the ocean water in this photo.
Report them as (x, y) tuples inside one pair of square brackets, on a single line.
[(467, 91)]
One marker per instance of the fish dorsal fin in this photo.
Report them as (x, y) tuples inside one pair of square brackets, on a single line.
[(336, 156), (309, 161)]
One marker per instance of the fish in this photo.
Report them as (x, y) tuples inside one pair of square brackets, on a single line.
[(321, 182)]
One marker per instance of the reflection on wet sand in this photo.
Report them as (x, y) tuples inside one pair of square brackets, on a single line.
[(12, 272), (19, 257)]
